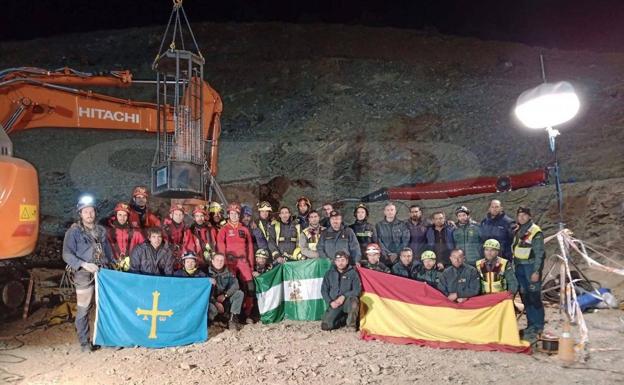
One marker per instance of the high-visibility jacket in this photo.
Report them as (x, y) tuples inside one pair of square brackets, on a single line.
[(522, 246), (308, 240), (492, 281), (284, 240)]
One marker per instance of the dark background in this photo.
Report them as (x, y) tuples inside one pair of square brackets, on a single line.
[(596, 25)]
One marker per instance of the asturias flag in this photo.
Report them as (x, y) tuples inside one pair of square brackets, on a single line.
[(399, 310), (292, 291), (155, 312)]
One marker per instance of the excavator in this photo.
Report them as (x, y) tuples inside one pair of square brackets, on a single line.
[(33, 98), (185, 119)]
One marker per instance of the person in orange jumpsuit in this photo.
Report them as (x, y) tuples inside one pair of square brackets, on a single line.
[(140, 216), (235, 242), (176, 233), (203, 236), (123, 237)]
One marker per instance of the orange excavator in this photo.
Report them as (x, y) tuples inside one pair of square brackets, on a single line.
[(35, 98)]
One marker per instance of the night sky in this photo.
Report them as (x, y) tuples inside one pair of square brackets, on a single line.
[(596, 25)]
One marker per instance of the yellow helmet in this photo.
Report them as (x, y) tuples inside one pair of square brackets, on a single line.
[(491, 244), (215, 207), (427, 255)]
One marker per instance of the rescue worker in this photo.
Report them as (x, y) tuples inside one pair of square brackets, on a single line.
[(498, 225), (215, 214), (224, 293), (393, 235), (341, 289), (467, 235), (202, 236), (234, 241), (327, 209), (264, 218), (528, 257), (459, 281), (440, 238), (176, 232), (259, 241), (497, 273), (284, 237), (339, 238), (418, 227), (85, 250), (122, 237), (364, 231), (152, 257), (310, 236), (304, 206), (189, 267), (427, 270), (140, 216), (407, 265), (262, 262), (373, 254)]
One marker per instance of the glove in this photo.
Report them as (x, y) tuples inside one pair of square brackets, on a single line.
[(90, 267)]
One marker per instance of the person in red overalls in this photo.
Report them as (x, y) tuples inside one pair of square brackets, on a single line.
[(140, 216), (235, 242), (203, 236), (122, 237), (176, 233)]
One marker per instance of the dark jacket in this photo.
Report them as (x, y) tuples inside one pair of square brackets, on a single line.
[(418, 237), (80, 246), (393, 236), (226, 283), (144, 259), (336, 284), (405, 271), (377, 267), (365, 234), (259, 240), (342, 240), (464, 281), (442, 250), (431, 277), (467, 237), (183, 273), (286, 242), (500, 228)]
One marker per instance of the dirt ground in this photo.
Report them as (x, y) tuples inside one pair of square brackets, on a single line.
[(295, 353)]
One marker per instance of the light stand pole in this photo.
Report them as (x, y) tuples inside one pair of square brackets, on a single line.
[(552, 141)]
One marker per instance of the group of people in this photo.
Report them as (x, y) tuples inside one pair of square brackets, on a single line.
[(460, 258)]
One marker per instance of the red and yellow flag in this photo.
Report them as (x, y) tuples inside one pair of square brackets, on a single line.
[(403, 311)]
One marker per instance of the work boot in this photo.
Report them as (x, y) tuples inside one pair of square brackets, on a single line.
[(234, 322), (88, 347)]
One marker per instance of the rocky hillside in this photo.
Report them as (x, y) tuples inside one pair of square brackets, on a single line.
[(336, 112)]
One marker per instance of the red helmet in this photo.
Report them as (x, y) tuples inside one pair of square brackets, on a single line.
[(373, 248), (122, 207), (200, 209), (177, 207), (233, 207), (140, 190)]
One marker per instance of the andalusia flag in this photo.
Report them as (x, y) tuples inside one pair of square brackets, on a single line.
[(292, 291), (399, 310)]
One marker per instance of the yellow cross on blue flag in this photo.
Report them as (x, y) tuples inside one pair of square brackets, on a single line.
[(150, 311)]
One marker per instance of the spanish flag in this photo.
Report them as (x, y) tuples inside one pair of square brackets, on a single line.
[(403, 311)]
